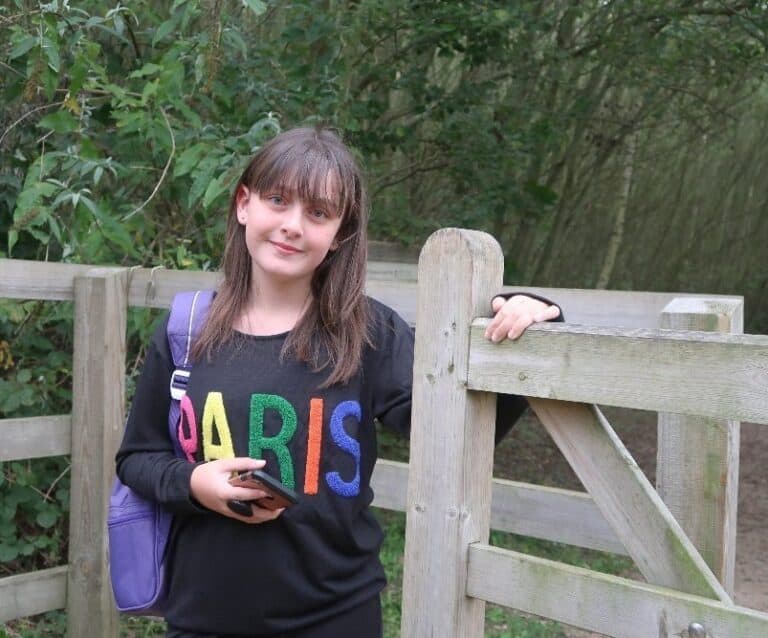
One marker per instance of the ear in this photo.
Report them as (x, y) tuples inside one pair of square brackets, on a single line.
[(241, 200)]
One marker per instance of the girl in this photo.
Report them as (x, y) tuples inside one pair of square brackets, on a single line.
[(292, 366)]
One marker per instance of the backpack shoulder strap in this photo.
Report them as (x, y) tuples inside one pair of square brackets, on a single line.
[(188, 313)]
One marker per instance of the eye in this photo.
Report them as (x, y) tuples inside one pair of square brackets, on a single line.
[(318, 213), (276, 199)]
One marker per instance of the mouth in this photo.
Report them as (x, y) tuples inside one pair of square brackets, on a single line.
[(285, 248)]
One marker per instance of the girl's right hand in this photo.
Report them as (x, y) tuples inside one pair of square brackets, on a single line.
[(210, 487)]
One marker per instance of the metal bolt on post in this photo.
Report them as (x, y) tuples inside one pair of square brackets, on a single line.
[(695, 630)]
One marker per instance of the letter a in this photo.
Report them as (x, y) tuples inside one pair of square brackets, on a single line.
[(215, 416)]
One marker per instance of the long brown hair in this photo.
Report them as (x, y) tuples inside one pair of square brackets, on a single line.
[(334, 329)]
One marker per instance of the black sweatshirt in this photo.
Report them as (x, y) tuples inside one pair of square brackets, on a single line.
[(320, 557)]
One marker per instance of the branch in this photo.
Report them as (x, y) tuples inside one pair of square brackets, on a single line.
[(410, 173), (25, 116), (165, 169)]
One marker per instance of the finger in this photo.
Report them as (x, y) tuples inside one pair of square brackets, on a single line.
[(240, 464), (493, 327), (502, 327), (550, 312), (518, 327), (497, 303), (246, 493)]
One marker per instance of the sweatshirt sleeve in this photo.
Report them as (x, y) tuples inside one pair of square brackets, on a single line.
[(510, 407), (146, 461), (394, 376), (391, 369)]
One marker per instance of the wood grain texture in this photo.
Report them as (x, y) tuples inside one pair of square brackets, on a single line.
[(391, 280), (697, 465), (32, 593), (98, 406), (451, 451), (628, 501), (610, 605), (701, 373), (35, 437), (549, 513)]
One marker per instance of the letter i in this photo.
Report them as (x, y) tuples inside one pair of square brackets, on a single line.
[(314, 442)]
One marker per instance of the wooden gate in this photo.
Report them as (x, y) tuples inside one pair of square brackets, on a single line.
[(712, 379)]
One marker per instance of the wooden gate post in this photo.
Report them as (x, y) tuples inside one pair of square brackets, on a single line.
[(697, 472), (98, 403), (451, 450)]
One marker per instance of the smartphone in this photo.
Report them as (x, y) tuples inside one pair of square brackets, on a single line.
[(278, 495)]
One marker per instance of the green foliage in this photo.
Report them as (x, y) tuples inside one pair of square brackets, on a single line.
[(50, 624), (34, 495), (125, 125), (32, 523)]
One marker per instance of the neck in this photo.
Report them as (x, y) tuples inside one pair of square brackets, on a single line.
[(274, 307)]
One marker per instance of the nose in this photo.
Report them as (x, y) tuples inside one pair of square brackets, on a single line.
[(292, 220)]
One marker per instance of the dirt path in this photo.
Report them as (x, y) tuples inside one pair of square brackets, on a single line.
[(529, 455), (752, 535)]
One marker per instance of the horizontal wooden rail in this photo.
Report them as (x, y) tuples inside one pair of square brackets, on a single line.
[(33, 593), (553, 514), (598, 602), (618, 308), (391, 282), (709, 374), (35, 437)]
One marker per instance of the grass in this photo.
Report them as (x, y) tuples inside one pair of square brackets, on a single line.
[(500, 622)]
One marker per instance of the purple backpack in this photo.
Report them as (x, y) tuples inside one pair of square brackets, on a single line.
[(139, 529)]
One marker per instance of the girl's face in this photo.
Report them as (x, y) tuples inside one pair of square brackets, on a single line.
[(287, 238)]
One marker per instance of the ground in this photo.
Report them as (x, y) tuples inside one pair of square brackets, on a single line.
[(529, 452)]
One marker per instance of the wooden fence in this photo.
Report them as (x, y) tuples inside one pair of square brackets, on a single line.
[(623, 359)]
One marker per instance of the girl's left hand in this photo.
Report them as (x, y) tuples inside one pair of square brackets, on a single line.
[(515, 314)]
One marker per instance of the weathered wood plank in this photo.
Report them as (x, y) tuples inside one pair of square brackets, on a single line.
[(35, 437), (614, 308), (28, 279), (98, 405), (449, 498), (549, 513), (697, 469), (654, 540), (393, 283), (32, 593), (23, 279), (610, 605), (702, 373)]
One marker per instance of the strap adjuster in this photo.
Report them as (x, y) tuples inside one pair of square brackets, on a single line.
[(179, 382)]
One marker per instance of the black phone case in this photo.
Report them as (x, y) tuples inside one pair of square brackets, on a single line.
[(279, 495)]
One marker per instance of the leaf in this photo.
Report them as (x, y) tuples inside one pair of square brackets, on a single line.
[(59, 122), (47, 518), (163, 30), (52, 53), (24, 375), (13, 237), (189, 159), (257, 6), (22, 46), (150, 68), (215, 188), (8, 553)]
